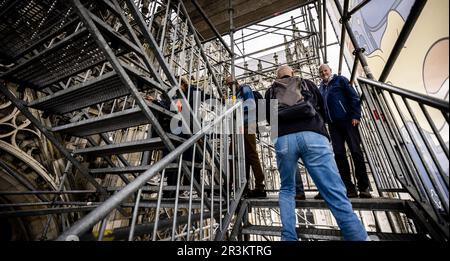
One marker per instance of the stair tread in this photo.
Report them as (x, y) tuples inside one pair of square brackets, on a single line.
[(110, 122), (24, 23), (68, 57), (122, 148), (138, 169), (378, 204), (100, 89), (324, 234), (94, 91)]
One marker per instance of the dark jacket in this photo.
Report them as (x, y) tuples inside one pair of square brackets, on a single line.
[(315, 123), (340, 99), (196, 96)]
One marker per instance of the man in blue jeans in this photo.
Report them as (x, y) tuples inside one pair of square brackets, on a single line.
[(305, 137)]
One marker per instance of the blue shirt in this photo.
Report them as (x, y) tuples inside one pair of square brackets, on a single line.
[(245, 94)]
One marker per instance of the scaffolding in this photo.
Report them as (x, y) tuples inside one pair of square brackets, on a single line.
[(132, 135)]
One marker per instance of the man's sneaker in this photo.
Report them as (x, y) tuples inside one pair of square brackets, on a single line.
[(365, 194), (318, 196), (352, 194), (300, 197), (257, 193), (187, 194), (154, 181)]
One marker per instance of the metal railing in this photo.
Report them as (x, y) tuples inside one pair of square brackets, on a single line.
[(226, 204), (409, 145)]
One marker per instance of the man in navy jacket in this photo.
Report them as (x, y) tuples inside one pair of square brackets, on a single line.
[(343, 115)]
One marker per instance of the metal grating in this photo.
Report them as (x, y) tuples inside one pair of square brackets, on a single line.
[(74, 54), (326, 234), (123, 148), (139, 169), (23, 22), (105, 123), (104, 88)]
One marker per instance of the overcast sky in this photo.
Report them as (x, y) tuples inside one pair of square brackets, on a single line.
[(270, 40)]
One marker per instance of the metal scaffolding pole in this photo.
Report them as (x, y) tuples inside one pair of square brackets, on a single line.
[(114, 201), (210, 24), (324, 16), (413, 16), (344, 19), (349, 30), (232, 73)]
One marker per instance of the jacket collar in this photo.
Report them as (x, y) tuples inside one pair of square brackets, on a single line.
[(323, 83)]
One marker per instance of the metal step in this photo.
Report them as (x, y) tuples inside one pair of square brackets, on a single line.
[(139, 169), (72, 55), (112, 36), (100, 89), (311, 233), (122, 233), (375, 204), (170, 203), (122, 148), (103, 88), (155, 188), (110, 122)]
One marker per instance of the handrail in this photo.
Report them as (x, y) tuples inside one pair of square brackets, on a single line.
[(415, 96), (114, 201), (413, 156)]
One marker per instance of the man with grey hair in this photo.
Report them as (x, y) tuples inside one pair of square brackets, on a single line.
[(343, 115), (302, 134)]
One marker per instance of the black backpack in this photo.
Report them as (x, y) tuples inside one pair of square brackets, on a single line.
[(289, 110)]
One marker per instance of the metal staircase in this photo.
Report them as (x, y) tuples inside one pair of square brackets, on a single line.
[(90, 66), (313, 232), (97, 60)]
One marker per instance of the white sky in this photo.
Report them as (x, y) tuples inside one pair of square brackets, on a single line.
[(270, 40)]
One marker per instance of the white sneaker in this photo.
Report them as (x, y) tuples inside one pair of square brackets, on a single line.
[(186, 194), (154, 181)]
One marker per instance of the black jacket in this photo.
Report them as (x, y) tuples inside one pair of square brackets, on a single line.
[(315, 123)]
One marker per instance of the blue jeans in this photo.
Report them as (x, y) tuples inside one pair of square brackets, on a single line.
[(316, 153), (299, 188)]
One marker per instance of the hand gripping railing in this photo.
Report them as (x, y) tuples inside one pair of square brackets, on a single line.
[(103, 210)]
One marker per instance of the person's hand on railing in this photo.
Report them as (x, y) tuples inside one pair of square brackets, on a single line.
[(149, 98), (355, 122)]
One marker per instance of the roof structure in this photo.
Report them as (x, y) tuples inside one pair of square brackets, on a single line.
[(246, 12)]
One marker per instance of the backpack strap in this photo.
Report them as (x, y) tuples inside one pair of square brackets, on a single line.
[(302, 85), (272, 93)]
